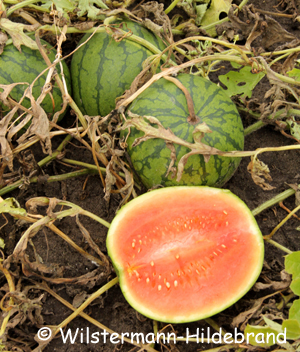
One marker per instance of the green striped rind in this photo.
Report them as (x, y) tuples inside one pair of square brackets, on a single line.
[(103, 69), (129, 208), (25, 67), (165, 101)]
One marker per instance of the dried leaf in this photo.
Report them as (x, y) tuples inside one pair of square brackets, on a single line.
[(39, 125), (3, 40), (260, 173), (6, 151), (171, 167), (255, 311), (159, 20), (15, 30), (252, 26), (7, 88), (91, 242), (275, 285), (110, 180), (83, 26), (79, 299)]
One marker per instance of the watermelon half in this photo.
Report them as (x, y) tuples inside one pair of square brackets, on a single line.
[(185, 253)]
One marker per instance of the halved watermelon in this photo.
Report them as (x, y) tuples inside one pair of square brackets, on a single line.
[(185, 253)]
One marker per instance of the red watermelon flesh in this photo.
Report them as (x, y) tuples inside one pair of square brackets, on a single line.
[(185, 253)]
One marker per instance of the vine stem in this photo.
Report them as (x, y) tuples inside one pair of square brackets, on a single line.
[(45, 287), (269, 203), (171, 7), (19, 5), (282, 223), (279, 246), (50, 179), (86, 303)]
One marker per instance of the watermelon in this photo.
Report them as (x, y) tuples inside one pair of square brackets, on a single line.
[(185, 253), (25, 66), (103, 68), (166, 102)]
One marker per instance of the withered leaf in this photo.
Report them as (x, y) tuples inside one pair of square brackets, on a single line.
[(3, 40), (7, 88), (252, 25), (15, 30), (260, 173), (39, 125), (275, 285)]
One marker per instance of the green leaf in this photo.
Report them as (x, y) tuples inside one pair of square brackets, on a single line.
[(292, 327), (294, 127), (241, 82), (272, 324), (295, 286), (294, 73), (2, 244), (92, 11), (200, 9), (263, 336), (294, 312), (62, 5), (212, 15), (11, 206), (292, 264)]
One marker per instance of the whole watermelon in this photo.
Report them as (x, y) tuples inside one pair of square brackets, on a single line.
[(165, 101), (103, 69), (25, 66)]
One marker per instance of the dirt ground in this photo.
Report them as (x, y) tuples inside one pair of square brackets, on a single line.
[(111, 309)]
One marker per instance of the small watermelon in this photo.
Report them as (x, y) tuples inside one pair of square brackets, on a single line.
[(25, 66), (166, 102), (103, 68), (185, 253)]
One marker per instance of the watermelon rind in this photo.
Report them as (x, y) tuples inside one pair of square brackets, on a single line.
[(114, 246), (102, 69), (25, 66), (167, 103)]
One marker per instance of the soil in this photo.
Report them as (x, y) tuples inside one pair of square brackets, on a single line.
[(111, 309)]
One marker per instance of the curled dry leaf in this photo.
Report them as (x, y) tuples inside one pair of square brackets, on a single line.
[(3, 40), (260, 173), (15, 30), (275, 285), (91, 242), (6, 151), (39, 125), (242, 319), (153, 9), (83, 26), (127, 189), (6, 89), (251, 25)]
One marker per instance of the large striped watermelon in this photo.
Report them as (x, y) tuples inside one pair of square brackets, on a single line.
[(25, 66), (165, 101), (103, 68)]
